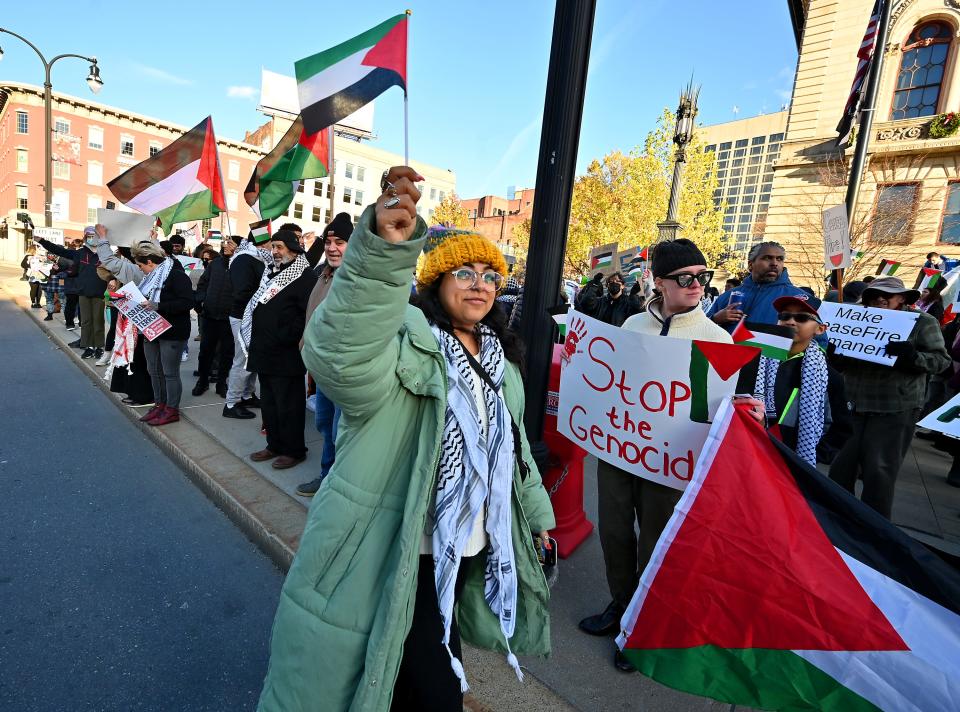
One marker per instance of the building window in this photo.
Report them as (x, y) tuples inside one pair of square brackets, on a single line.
[(441, 194), (126, 146), (22, 194), (94, 173), (22, 160), (232, 197), (23, 122), (893, 213), (61, 169), (298, 211), (233, 170), (300, 186), (111, 205), (317, 189), (61, 126), (950, 222), (358, 198), (348, 171), (360, 173), (95, 138), (93, 204), (155, 148), (433, 194), (347, 195), (922, 66), (316, 214), (60, 205)]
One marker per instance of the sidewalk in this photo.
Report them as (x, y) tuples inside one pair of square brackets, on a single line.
[(213, 452)]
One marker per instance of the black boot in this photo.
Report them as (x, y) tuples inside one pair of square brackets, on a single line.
[(202, 385), (603, 623)]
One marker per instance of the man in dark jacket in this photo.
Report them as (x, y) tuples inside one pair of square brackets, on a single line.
[(246, 268), (91, 288), (215, 301), (275, 319), (614, 307)]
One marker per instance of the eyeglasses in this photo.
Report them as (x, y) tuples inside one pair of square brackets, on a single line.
[(468, 279), (798, 317), (686, 279)]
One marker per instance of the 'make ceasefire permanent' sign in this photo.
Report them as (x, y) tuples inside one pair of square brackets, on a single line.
[(864, 332)]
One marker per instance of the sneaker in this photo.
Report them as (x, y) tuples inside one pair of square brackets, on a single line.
[(308, 489), (238, 412), (88, 352), (104, 359), (184, 356), (153, 413), (251, 402), (71, 327), (48, 317), (36, 306), (312, 403), (167, 415)]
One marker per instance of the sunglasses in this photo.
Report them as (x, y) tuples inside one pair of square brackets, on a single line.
[(468, 278), (686, 279), (798, 317)]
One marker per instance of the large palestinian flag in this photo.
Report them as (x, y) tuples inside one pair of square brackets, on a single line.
[(182, 182), (276, 177), (338, 81), (772, 587)]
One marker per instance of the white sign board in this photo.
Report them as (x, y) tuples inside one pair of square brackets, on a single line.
[(147, 321), (643, 403), (125, 229), (836, 238), (52, 234), (863, 332), (945, 419)]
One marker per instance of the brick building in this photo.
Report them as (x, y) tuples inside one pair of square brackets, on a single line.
[(495, 217)]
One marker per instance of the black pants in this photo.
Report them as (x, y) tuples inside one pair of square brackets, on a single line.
[(71, 309), (215, 333), (111, 330), (35, 293), (283, 403), (425, 680)]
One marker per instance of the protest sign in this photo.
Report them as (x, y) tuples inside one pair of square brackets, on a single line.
[(836, 238), (51, 234), (124, 229), (147, 321), (863, 332), (643, 403), (945, 419), (603, 259)]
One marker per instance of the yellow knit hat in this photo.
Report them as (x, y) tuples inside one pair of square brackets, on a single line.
[(448, 248)]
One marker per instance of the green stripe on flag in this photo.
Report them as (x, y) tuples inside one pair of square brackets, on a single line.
[(195, 206), (699, 370), (309, 66), (754, 677)]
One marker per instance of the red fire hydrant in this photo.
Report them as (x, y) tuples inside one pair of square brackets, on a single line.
[(563, 478)]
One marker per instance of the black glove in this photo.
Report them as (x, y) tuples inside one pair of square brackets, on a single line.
[(635, 289), (901, 349), (598, 277)]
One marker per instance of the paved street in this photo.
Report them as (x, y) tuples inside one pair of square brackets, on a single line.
[(121, 586)]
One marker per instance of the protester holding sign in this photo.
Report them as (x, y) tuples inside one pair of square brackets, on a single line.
[(614, 307), (886, 401), (430, 490), (680, 275)]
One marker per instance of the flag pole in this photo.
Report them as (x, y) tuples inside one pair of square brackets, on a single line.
[(866, 123), (406, 104), (330, 172)]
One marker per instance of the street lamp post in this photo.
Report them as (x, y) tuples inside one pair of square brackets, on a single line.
[(682, 135), (95, 84)]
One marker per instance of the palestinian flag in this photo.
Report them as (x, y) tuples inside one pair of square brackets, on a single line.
[(277, 176), (338, 81), (260, 232), (559, 314), (724, 360), (214, 235), (796, 597), (856, 254), (774, 341), (183, 182), (189, 263), (642, 254), (931, 277), (950, 295), (602, 260), (888, 268)]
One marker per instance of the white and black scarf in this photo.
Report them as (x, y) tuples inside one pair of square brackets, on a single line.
[(813, 398), (475, 474), (246, 247), (271, 284), (152, 284)]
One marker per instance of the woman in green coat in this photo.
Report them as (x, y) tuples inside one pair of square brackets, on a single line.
[(422, 532)]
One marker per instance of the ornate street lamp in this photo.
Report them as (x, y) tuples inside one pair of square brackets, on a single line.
[(93, 81), (682, 136)]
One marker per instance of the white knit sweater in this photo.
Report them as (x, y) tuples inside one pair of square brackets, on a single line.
[(694, 324)]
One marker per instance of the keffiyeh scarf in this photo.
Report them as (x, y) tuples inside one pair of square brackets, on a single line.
[(475, 474), (246, 247), (152, 284), (271, 284), (813, 398)]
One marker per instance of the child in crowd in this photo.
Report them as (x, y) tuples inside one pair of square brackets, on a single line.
[(794, 392)]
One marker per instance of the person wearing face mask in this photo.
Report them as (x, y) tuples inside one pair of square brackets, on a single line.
[(91, 287), (270, 334), (613, 307), (680, 275), (336, 236)]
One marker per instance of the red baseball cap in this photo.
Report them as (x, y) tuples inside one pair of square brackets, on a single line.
[(804, 303)]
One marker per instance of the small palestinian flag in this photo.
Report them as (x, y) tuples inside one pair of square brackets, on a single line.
[(856, 254), (276, 177), (260, 232), (888, 268), (602, 260), (643, 253), (931, 277), (338, 81), (182, 182), (805, 599), (774, 341), (559, 314), (189, 263), (214, 235)]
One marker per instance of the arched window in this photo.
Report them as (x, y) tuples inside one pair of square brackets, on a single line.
[(921, 72)]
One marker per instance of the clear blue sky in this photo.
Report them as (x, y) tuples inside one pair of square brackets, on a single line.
[(477, 71)]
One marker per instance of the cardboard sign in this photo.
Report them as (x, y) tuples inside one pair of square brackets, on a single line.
[(864, 332), (945, 419), (643, 403), (836, 238), (147, 321), (125, 229), (603, 259), (51, 234)]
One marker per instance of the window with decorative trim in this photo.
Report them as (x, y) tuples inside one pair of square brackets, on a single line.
[(923, 63), (950, 220)]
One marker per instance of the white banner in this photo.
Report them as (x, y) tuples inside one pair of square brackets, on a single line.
[(51, 234), (123, 228), (836, 238), (945, 419), (150, 324), (643, 403), (864, 332)]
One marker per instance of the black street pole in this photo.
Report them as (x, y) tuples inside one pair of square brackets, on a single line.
[(556, 170)]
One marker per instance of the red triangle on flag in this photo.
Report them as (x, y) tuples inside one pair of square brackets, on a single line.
[(726, 359), (742, 333), (209, 171), (749, 566), (391, 51)]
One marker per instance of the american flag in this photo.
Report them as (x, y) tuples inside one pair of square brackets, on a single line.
[(864, 62)]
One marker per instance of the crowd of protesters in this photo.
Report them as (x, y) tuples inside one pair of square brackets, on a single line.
[(416, 388)]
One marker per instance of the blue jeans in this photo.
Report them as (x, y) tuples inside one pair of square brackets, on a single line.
[(328, 417)]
